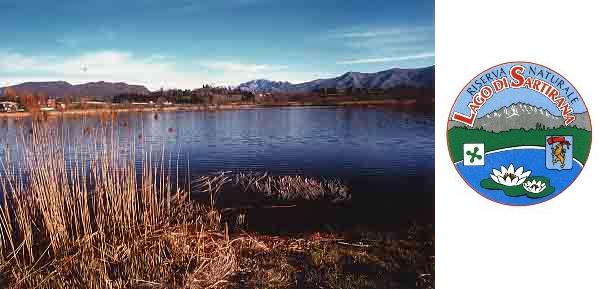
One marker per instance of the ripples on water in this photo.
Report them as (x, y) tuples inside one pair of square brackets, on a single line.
[(375, 150)]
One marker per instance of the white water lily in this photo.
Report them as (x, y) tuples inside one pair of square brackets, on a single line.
[(534, 186), (509, 177)]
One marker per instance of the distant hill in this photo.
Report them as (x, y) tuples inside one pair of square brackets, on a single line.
[(264, 85), (524, 116), (387, 79), (93, 89)]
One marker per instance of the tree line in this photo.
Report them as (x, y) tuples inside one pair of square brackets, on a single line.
[(27, 100)]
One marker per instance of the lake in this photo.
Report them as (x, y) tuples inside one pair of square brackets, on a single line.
[(531, 159), (386, 156)]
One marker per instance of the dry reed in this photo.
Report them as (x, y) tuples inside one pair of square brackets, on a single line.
[(82, 213), (78, 214), (293, 188)]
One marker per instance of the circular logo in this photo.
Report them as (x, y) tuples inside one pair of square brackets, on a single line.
[(519, 133)]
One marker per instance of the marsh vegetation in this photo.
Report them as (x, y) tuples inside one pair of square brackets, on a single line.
[(91, 214)]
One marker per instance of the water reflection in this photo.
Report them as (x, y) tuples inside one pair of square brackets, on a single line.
[(375, 150)]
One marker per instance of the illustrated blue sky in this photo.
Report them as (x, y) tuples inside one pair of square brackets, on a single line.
[(188, 43), (522, 95)]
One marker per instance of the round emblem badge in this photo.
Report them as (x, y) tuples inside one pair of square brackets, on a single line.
[(519, 133)]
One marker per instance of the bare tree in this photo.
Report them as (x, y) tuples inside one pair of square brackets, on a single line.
[(10, 94), (30, 101), (67, 100), (41, 98)]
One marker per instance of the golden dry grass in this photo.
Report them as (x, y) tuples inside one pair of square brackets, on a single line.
[(77, 214), (84, 217)]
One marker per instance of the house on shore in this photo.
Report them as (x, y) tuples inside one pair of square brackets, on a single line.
[(9, 106), (264, 97)]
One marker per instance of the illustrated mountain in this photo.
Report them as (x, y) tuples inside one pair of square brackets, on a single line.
[(523, 116)]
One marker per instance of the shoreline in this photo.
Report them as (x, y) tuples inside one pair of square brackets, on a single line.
[(198, 107), (245, 230)]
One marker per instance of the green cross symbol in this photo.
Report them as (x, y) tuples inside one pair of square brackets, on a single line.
[(474, 154)]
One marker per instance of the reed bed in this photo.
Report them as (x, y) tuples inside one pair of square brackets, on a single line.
[(83, 213), (292, 188), (80, 215), (80, 212)]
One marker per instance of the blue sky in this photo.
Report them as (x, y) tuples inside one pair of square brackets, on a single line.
[(522, 95), (189, 43)]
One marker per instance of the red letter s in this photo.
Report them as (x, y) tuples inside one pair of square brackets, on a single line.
[(516, 72)]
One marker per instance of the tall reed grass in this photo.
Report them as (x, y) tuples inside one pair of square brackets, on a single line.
[(81, 215), (91, 212)]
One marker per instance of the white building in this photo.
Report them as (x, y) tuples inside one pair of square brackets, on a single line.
[(8, 106)]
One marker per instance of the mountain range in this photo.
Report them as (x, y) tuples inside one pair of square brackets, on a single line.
[(387, 79), (99, 89), (523, 116)]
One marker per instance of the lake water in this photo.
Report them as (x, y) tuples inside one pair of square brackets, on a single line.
[(381, 153)]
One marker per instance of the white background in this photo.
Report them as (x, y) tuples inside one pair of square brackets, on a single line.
[(481, 244)]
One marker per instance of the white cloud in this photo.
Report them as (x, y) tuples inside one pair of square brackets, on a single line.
[(108, 65), (404, 43), (237, 72), (106, 62), (374, 44), (409, 32), (16, 61), (153, 71), (234, 66), (388, 59)]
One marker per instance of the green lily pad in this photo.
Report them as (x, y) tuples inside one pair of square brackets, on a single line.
[(518, 191)]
